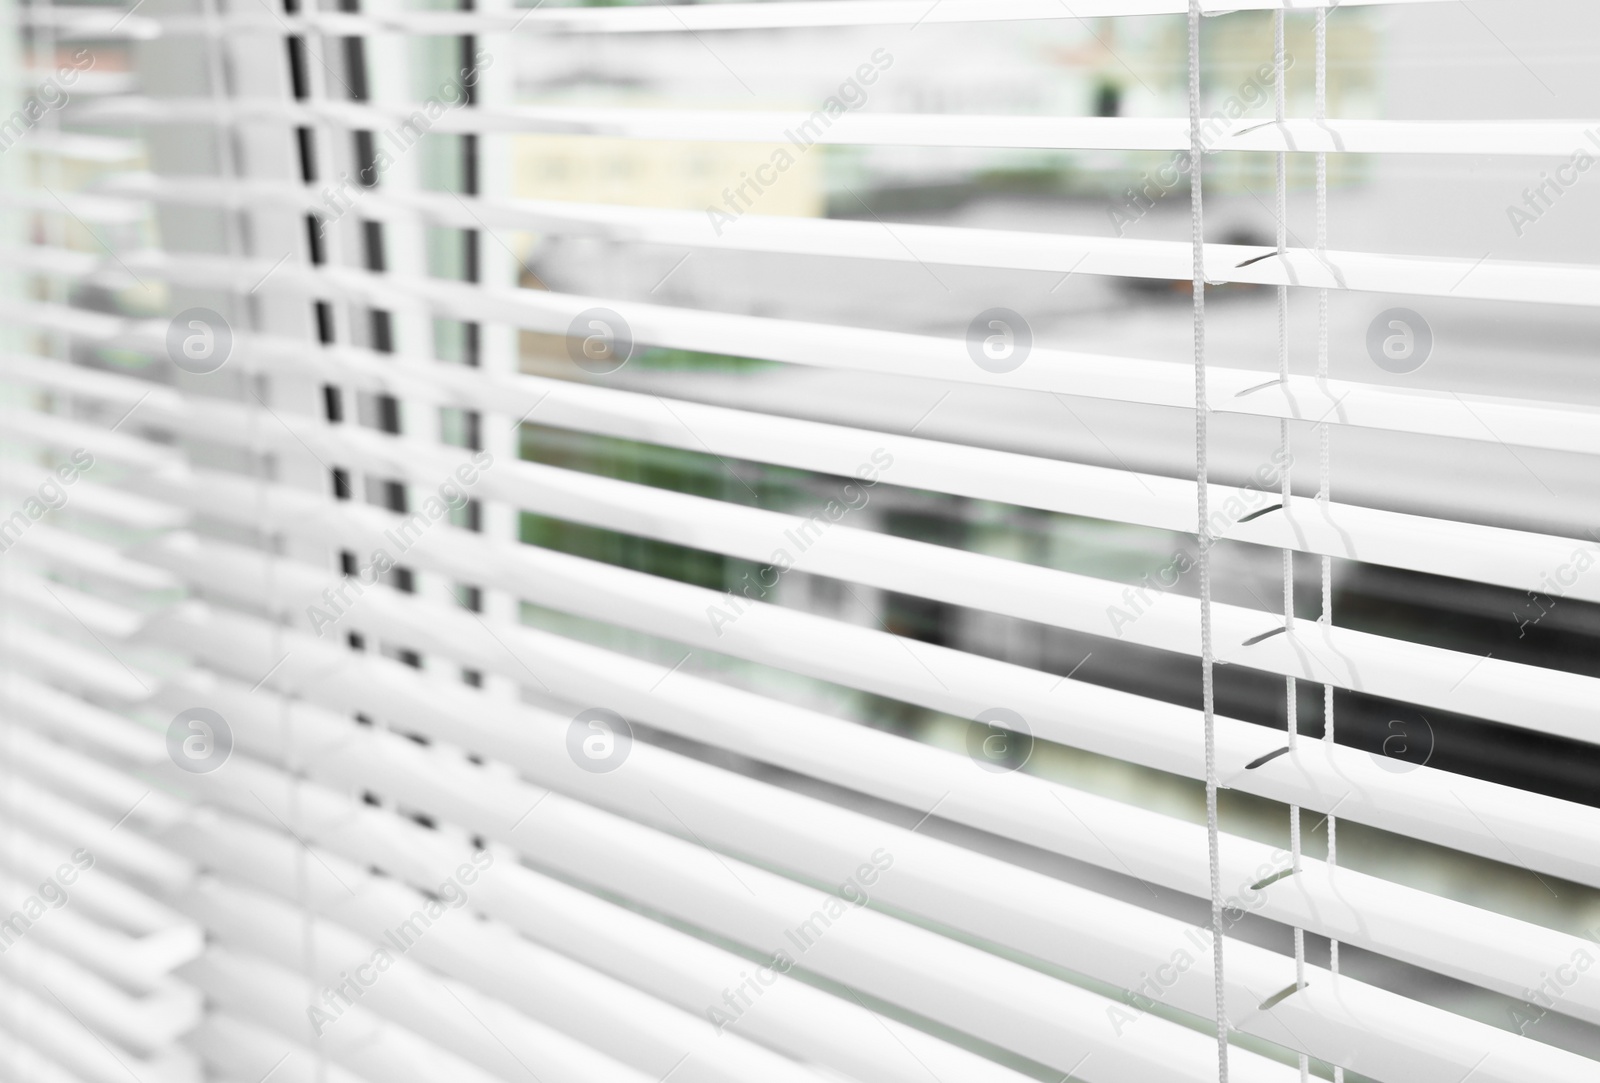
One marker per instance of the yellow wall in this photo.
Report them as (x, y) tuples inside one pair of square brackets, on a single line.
[(651, 173)]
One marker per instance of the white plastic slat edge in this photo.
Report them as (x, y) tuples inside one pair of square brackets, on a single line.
[(1546, 138)]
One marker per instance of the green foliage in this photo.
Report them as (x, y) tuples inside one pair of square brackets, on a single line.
[(658, 358)]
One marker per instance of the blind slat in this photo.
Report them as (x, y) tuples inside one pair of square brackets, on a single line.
[(1156, 851), (1516, 138), (1029, 923), (670, 19), (1518, 559), (397, 767)]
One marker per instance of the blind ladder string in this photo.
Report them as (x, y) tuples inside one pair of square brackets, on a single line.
[(1290, 689), (1202, 411), (1323, 444)]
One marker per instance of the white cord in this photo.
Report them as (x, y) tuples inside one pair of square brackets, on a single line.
[(1290, 690), (1202, 411), (236, 245), (1323, 456)]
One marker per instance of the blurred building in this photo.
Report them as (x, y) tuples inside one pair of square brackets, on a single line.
[(651, 173), (1379, 66)]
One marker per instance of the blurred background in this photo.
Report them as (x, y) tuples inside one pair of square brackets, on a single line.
[(1507, 60), (1490, 61)]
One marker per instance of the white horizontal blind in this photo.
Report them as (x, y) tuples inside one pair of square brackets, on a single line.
[(402, 681)]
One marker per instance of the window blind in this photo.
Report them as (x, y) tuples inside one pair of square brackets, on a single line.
[(516, 569)]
